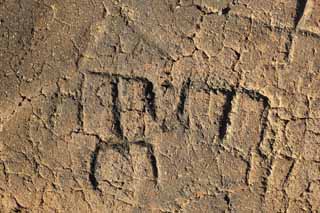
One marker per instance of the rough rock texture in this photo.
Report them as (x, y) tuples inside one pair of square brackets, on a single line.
[(160, 106)]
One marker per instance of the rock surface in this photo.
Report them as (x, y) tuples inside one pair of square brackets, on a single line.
[(159, 106)]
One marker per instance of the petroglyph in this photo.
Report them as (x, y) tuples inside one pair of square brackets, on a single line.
[(159, 106)]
